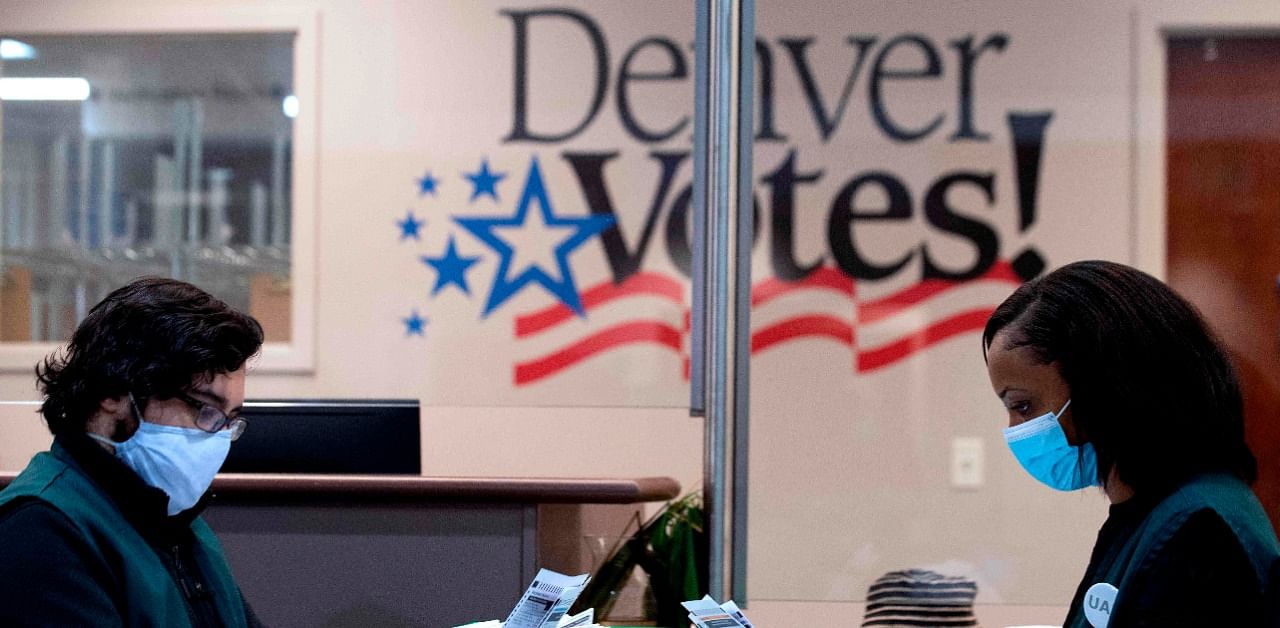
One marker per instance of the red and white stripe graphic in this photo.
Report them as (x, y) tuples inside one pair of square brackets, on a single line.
[(896, 326), (879, 331), (603, 333)]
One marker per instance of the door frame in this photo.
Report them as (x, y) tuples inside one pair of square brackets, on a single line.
[(1151, 24)]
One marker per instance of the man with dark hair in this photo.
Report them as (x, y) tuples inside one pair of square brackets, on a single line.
[(104, 529)]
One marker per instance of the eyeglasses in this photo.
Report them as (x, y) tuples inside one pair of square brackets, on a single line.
[(212, 419)]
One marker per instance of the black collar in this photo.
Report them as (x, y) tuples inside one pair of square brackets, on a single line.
[(144, 506)]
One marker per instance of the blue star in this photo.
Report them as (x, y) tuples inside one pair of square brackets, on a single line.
[(427, 185), (409, 226), (584, 228), (414, 324), (484, 182), (451, 268)]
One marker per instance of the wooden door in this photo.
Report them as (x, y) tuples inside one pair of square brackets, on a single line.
[(1224, 216)]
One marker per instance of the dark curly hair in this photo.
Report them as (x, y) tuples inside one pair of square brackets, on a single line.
[(155, 338), (1151, 386)]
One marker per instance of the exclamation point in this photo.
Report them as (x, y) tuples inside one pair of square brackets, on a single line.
[(1027, 130)]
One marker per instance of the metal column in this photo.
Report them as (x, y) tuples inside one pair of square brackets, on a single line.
[(724, 81)]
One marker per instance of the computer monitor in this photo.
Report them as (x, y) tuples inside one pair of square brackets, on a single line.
[(339, 436)]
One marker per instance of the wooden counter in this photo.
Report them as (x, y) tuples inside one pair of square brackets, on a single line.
[(326, 550), (470, 490), (435, 489)]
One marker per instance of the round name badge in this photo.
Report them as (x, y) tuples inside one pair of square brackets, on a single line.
[(1098, 602)]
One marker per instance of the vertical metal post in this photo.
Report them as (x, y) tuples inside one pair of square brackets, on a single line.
[(723, 141), (742, 295), (57, 291), (195, 176), (130, 237), (162, 198), (279, 212), (83, 185), (10, 182), (55, 310), (38, 309), (258, 215), (58, 234), (30, 197), (219, 228), (697, 318), (181, 137), (716, 254), (13, 182), (106, 194), (81, 304)]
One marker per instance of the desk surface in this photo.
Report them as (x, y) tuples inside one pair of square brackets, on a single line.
[(439, 489)]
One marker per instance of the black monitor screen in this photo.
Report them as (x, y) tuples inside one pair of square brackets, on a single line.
[(351, 436)]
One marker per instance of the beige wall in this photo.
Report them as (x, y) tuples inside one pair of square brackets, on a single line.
[(845, 485), (374, 113)]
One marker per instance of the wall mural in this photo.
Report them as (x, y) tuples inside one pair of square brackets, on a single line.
[(531, 229)]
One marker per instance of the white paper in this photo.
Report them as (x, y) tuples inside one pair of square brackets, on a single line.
[(546, 600), (567, 598), (737, 613), (585, 619), (705, 613)]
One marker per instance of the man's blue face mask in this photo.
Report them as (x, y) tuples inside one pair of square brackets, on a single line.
[(181, 461), (1041, 447)]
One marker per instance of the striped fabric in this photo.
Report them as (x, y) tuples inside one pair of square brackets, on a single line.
[(917, 597)]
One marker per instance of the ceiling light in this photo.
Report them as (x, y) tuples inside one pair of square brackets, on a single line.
[(290, 106), (14, 88), (12, 49)]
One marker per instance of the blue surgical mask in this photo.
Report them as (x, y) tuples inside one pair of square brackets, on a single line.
[(181, 461), (1041, 447)]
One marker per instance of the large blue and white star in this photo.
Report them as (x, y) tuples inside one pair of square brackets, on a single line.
[(558, 281)]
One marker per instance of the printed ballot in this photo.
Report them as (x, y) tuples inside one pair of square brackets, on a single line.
[(585, 619), (732, 609), (545, 604), (706, 613), (546, 600)]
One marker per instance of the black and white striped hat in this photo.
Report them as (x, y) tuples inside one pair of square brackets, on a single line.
[(917, 597)]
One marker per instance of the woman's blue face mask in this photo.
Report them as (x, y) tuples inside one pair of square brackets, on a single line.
[(1042, 449)]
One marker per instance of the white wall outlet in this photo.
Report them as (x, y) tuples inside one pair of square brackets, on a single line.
[(966, 462)]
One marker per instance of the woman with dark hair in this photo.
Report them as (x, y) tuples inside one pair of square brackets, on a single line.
[(1111, 379), (104, 529)]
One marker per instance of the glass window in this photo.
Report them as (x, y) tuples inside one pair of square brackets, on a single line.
[(129, 155)]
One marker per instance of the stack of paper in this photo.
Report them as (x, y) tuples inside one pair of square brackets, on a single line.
[(585, 619), (706, 613), (545, 604)]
